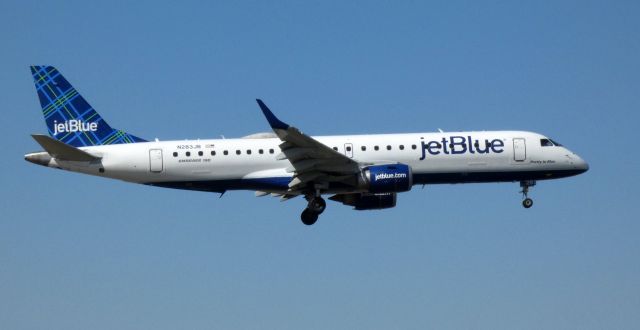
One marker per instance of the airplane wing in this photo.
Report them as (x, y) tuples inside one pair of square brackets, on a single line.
[(314, 164)]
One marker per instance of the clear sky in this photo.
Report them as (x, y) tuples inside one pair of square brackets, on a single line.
[(78, 252)]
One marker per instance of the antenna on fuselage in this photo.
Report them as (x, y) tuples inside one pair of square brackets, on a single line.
[(440, 130)]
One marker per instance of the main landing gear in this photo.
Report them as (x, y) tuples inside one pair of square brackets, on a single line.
[(527, 202), (315, 207)]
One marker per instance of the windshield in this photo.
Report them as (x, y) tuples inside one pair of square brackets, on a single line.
[(549, 143), (556, 143), (546, 143)]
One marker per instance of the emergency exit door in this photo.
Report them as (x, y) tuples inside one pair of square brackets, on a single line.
[(155, 160), (519, 149), (348, 150)]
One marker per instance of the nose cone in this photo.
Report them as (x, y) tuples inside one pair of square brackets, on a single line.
[(581, 165)]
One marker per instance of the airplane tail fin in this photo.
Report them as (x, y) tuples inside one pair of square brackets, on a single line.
[(69, 117)]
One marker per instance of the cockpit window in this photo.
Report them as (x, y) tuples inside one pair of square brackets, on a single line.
[(549, 143), (546, 143), (556, 143)]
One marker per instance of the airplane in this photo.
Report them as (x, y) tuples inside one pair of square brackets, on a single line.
[(365, 172)]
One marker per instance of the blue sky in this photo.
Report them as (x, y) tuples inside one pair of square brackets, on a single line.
[(79, 252)]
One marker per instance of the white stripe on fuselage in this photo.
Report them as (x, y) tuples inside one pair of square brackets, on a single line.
[(424, 152)]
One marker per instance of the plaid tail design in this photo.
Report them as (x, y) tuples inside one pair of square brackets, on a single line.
[(69, 117)]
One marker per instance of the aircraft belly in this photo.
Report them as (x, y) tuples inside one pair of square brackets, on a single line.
[(490, 176), (222, 185)]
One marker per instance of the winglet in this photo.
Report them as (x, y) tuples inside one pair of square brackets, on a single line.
[(271, 118)]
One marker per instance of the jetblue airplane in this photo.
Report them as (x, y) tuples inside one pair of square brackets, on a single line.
[(363, 171)]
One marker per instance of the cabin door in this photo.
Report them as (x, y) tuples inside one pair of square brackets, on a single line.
[(155, 160), (519, 149)]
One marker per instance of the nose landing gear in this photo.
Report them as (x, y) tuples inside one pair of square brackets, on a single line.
[(527, 202), (315, 207)]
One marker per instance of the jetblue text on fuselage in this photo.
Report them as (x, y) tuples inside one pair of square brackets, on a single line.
[(458, 145), (73, 125)]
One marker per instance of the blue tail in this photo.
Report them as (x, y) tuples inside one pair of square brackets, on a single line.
[(69, 116)]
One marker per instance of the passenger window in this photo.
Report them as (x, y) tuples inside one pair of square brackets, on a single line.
[(413, 146), (348, 148), (260, 151), (248, 151), (200, 153), (388, 147), (226, 152), (376, 148), (175, 154), (270, 151), (237, 152), (363, 148), (401, 147), (335, 148), (213, 152), (188, 154), (546, 143)]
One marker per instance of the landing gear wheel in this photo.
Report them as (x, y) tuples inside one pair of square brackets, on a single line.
[(527, 202), (317, 205), (309, 217)]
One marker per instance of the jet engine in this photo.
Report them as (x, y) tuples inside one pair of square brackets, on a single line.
[(386, 178)]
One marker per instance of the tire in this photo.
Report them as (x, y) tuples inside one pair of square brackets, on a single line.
[(317, 205), (309, 217), (527, 203)]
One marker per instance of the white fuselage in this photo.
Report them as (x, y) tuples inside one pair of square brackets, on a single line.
[(252, 163)]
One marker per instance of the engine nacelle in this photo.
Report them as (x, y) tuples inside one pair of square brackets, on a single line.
[(367, 201), (386, 178)]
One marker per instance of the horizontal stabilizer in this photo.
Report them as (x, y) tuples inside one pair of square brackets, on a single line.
[(61, 150)]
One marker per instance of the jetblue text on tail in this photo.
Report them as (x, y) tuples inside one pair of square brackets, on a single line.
[(72, 126)]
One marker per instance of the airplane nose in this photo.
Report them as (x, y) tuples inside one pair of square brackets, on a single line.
[(582, 165)]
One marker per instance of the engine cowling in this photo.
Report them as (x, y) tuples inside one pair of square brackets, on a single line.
[(367, 201), (386, 178)]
